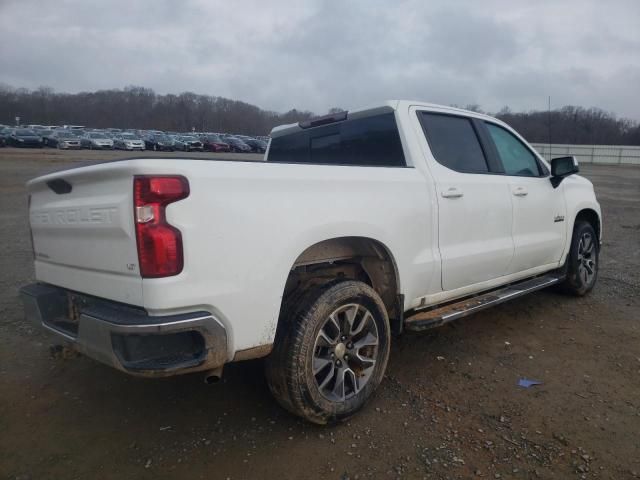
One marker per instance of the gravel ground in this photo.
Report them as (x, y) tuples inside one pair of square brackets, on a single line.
[(448, 408)]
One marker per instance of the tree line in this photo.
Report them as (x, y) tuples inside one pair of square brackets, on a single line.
[(139, 108), (142, 108), (573, 125), (570, 125)]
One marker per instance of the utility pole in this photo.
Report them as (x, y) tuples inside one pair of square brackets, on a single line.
[(549, 125)]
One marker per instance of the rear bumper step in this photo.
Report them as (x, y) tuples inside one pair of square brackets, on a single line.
[(127, 338), (427, 319)]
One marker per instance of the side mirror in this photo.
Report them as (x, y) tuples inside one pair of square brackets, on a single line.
[(561, 168)]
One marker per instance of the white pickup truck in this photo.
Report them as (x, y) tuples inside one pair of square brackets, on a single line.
[(356, 226)]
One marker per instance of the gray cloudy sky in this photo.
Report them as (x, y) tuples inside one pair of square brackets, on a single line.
[(318, 54)]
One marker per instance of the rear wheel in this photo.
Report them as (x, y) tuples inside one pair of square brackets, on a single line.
[(330, 353), (582, 261)]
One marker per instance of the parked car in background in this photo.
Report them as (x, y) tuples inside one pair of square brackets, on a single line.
[(64, 139), (24, 137), (257, 146), (141, 139), (214, 143), (159, 142), (177, 143), (4, 135), (188, 143), (78, 132), (128, 141), (46, 135), (237, 145), (96, 141)]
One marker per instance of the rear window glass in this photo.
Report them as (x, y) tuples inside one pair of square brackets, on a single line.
[(454, 143), (370, 141)]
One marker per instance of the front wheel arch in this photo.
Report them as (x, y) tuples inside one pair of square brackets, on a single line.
[(590, 216)]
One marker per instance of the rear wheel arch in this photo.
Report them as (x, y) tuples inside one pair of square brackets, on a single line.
[(347, 258)]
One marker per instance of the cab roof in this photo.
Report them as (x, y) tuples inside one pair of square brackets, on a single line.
[(387, 106)]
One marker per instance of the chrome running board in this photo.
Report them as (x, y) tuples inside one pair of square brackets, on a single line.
[(435, 317)]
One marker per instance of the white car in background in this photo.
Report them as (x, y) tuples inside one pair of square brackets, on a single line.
[(65, 140), (128, 141), (96, 141)]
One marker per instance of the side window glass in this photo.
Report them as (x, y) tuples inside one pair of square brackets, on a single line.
[(454, 142), (516, 158)]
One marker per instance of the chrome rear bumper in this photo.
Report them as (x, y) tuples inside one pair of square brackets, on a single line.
[(126, 337)]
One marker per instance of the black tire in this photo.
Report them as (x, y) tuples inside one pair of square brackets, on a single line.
[(299, 345), (582, 261)]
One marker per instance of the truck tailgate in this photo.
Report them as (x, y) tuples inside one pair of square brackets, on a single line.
[(83, 232)]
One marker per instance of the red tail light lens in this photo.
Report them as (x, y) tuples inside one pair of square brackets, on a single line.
[(159, 243)]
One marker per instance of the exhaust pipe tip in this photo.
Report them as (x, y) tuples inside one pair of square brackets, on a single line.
[(213, 376)]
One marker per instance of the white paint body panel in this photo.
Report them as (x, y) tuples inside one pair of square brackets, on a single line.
[(475, 229), (538, 234), (84, 240), (245, 223)]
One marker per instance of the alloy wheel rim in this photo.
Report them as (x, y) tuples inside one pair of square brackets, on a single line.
[(586, 258), (345, 352)]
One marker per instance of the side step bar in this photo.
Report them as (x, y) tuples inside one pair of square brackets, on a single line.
[(426, 319)]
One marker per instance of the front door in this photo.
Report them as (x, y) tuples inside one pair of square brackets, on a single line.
[(539, 210)]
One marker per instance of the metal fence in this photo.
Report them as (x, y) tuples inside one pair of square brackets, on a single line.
[(605, 154)]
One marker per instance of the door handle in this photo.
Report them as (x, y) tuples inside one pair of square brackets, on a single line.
[(452, 192), (520, 192)]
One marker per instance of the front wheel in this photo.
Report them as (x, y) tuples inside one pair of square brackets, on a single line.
[(330, 353), (582, 261)]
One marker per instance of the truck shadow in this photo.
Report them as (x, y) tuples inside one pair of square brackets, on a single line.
[(242, 396)]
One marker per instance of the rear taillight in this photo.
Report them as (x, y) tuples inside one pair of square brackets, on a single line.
[(159, 244)]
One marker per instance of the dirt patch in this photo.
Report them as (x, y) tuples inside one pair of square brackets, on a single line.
[(450, 406)]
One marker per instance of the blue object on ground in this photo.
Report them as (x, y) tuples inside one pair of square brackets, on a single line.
[(526, 383)]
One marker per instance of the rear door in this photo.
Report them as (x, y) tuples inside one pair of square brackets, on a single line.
[(539, 210), (474, 205)]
